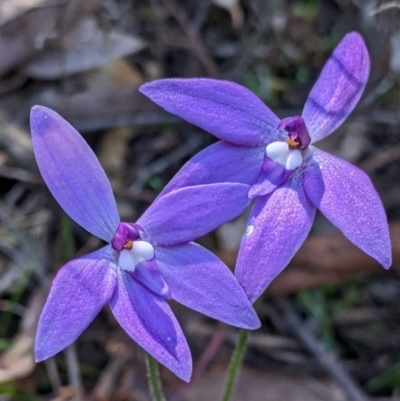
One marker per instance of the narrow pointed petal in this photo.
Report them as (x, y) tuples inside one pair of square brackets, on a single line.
[(148, 319), (225, 109), (346, 196), (338, 88), (200, 281), (147, 274), (79, 291), (188, 213), (73, 174), (220, 162), (278, 224)]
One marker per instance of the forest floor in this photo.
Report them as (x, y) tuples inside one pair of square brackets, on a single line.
[(331, 320)]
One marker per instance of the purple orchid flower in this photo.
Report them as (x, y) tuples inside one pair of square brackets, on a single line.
[(144, 264), (287, 176)]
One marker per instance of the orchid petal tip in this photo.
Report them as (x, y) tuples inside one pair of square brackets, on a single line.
[(387, 263), (38, 111), (143, 88), (186, 375), (256, 325), (40, 355)]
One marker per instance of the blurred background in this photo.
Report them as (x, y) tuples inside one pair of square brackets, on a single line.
[(331, 321)]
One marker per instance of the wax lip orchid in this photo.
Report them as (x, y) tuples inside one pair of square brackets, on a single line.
[(143, 265), (288, 177)]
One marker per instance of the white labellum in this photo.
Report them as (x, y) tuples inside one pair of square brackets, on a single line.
[(140, 252), (280, 153)]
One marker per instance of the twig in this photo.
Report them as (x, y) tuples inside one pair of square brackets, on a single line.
[(197, 44), (209, 353), (19, 174), (73, 372), (388, 117), (385, 7), (121, 120), (109, 377), (261, 341), (315, 347), (380, 159), (54, 376), (217, 338), (159, 29), (23, 254), (196, 24), (383, 86), (201, 14), (158, 166)]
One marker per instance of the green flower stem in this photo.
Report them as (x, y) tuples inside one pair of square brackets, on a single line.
[(234, 365), (153, 376)]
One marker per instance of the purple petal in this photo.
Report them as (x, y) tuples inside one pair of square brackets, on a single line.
[(148, 319), (79, 291), (73, 174), (225, 109), (346, 196), (188, 213), (338, 88), (220, 162), (272, 176), (280, 162), (148, 274), (278, 224), (200, 281)]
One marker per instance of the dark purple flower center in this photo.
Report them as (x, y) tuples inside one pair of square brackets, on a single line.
[(125, 235), (298, 136), (136, 257)]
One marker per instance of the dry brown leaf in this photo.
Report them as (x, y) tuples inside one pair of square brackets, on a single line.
[(66, 393), (330, 259), (112, 152), (115, 74), (98, 109), (25, 26), (18, 38), (84, 48), (18, 361), (109, 94), (323, 260), (10, 9)]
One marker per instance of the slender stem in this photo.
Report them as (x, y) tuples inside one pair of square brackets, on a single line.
[(153, 376), (234, 365)]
